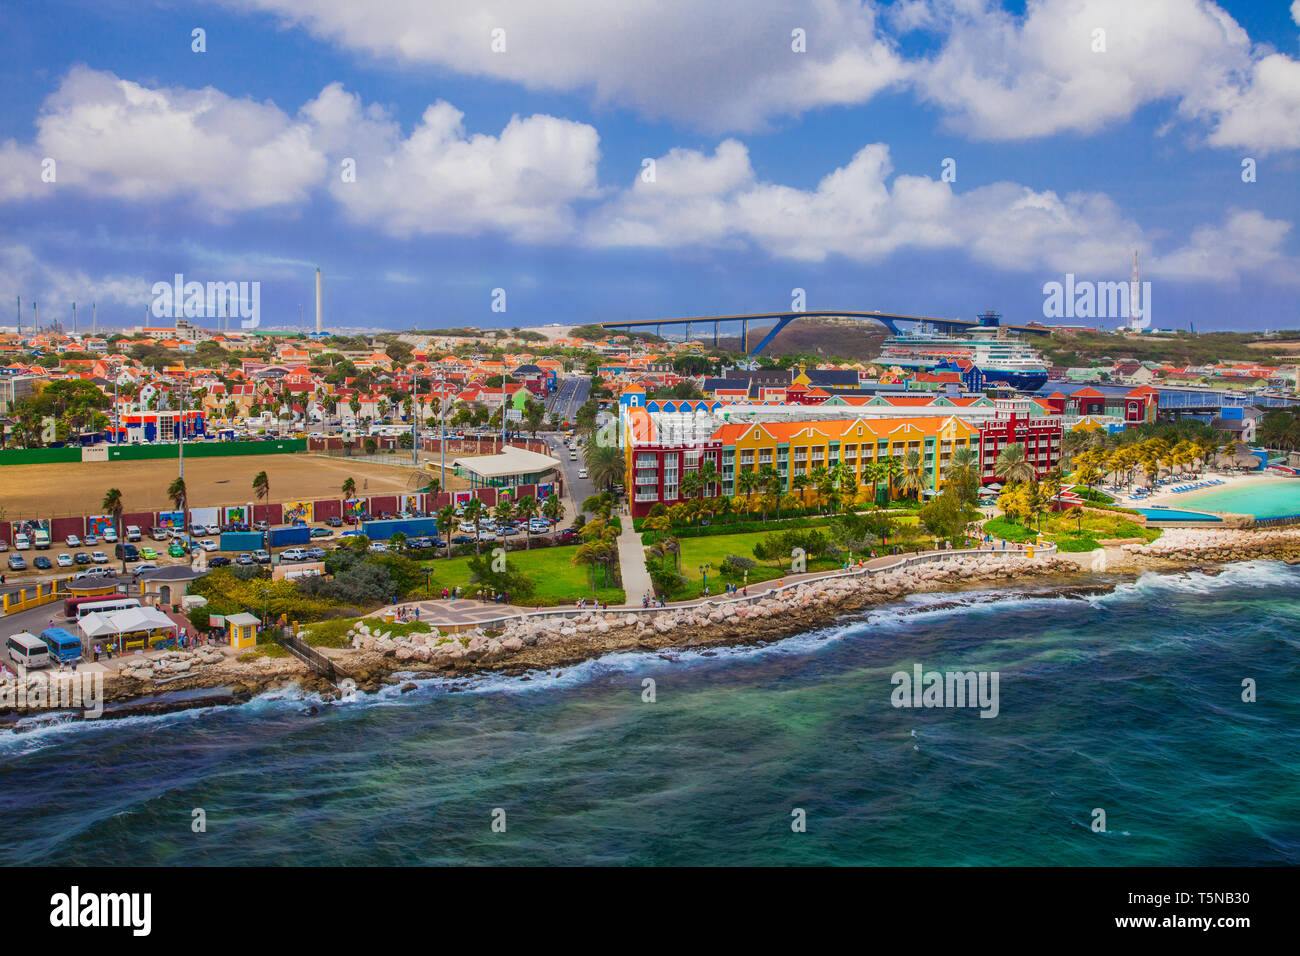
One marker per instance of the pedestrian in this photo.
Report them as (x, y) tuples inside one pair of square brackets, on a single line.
[(96, 652)]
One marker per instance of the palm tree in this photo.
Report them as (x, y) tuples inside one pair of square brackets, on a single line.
[(474, 508), (446, 522), (817, 479), (262, 491), (526, 511), (349, 488), (604, 464), (746, 484), (177, 493), (769, 480), (964, 462), (799, 483), (708, 477), (1012, 465), (913, 473), (873, 472), (553, 509), (112, 503), (504, 510), (893, 470)]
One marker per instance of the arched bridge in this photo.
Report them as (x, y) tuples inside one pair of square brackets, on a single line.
[(782, 319)]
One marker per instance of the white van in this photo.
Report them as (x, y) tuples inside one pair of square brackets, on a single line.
[(28, 650), (22, 542), (132, 532)]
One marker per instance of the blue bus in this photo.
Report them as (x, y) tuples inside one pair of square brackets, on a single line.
[(63, 644)]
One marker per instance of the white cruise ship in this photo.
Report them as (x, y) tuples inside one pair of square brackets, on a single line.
[(1000, 354)]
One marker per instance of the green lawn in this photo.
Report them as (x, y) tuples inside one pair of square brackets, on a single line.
[(714, 549), (556, 580), (1069, 534)]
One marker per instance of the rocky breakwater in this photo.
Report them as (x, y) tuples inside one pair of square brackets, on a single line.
[(1178, 546), (547, 641), (204, 667)]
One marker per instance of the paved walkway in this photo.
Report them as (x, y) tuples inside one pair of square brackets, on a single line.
[(631, 565)]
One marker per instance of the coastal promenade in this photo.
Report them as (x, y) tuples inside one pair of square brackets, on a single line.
[(463, 613)]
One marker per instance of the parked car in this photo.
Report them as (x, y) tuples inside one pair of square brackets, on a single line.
[(128, 551), (4, 545), (140, 569), (244, 558), (316, 554), (64, 560), (378, 547), (207, 544), (22, 542), (90, 540), (176, 549), (260, 526), (220, 561), (110, 536), (568, 534), (158, 533), (42, 563), (17, 562), (462, 539), (262, 556), (72, 541), (99, 557), (149, 554), (132, 532), (293, 554), (334, 521), (92, 573), (81, 557), (321, 533)]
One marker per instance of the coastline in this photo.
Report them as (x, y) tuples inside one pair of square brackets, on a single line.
[(182, 680)]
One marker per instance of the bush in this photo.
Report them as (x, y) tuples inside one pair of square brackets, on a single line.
[(736, 565)]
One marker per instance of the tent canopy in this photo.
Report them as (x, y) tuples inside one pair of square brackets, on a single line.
[(125, 622)]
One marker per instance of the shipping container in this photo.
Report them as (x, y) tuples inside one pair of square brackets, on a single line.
[(298, 534), (241, 540)]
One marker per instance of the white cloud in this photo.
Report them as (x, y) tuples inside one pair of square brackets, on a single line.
[(439, 179), (24, 273), (117, 139), (1248, 242), (999, 76), (862, 213), (722, 65)]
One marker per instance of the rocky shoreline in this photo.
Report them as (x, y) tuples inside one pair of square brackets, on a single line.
[(178, 680)]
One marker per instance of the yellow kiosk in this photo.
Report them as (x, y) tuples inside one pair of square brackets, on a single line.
[(241, 630)]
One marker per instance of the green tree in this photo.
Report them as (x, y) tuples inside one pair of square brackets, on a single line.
[(1012, 465), (112, 503), (176, 491), (446, 522), (526, 511)]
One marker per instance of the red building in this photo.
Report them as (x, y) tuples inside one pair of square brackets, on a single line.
[(1016, 421), (656, 467)]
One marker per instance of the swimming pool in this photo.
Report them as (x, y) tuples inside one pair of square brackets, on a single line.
[(1263, 499), (1173, 514)]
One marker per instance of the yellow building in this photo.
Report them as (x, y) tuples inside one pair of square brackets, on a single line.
[(797, 449)]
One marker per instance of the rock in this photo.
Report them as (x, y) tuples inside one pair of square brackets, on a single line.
[(408, 687)]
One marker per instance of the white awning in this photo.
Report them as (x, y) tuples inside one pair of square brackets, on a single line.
[(125, 622)]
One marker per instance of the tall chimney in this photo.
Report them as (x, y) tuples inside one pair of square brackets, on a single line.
[(319, 327)]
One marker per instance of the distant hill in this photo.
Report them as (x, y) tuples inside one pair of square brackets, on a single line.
[(849, 339)]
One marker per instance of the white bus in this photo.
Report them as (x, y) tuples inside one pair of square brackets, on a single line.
[(106, 606), (28, 650)]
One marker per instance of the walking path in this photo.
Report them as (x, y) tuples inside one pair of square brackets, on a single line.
[(631, 565), (464, 612)]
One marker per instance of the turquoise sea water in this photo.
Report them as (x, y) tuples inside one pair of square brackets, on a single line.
[(1271, 499), (1129, 702)]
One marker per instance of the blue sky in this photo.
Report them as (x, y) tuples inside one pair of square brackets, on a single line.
[(774, 169)]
